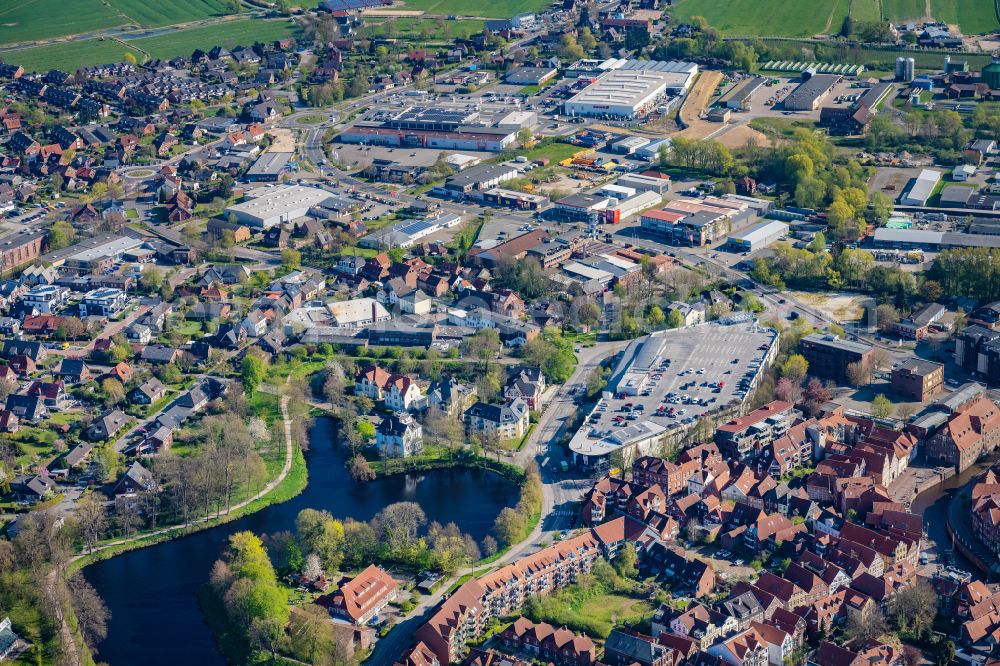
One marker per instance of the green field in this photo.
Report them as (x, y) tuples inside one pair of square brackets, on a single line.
[(902, 10), (46, 19), (866, 10), (766, 17), (430, 29), (228, 34), (67, 56), (35, 19), (155, 14), (801, 19), (495, 9), (71, 55)]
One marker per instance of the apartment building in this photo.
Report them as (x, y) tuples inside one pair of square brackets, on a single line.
[(745, 435)]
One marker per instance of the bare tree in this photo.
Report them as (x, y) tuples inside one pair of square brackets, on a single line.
[(91, 613), (92, 517), (128, 514)]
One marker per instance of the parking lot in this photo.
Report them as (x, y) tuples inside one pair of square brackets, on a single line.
[(670, 379)]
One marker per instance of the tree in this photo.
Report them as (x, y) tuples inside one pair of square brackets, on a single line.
[(858, 374), (320, 533), (113, 391), (151, 278), (525, 137), (655, 316), (61, 234), (484, 344), (675, 319), (509, 526), (291, 259), (904, 411), (881, 407), (886, 317), (130, 58), (91, 613), (489, 546), (253, 370), (397, 524), (795, 368), (931, 290), (361, 471), (815, 395), (626, 562), (92, 518), (912, 608), (588, 314), (863, 627), (313, 568), (71, 328)]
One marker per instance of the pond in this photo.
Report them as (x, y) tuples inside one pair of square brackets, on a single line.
[(151, 592)]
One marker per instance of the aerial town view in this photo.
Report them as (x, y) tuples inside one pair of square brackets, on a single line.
[(511, 333)]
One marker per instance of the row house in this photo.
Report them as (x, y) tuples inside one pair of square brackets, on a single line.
[(461, 618), (545, 642), (968, 434), (744, 436), (689, 577), (747, 648), (703, 624), (985, 509), (671, 477)]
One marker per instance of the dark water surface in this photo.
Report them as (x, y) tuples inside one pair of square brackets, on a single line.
[(155, 617)]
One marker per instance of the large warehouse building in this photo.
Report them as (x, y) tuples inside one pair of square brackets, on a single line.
[(432, 127), (921, 189), (758, 236), (266, 207), (811, 92), (629, 93), (739, 96)]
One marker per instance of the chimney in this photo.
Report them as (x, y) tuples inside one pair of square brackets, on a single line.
[(374, 311)]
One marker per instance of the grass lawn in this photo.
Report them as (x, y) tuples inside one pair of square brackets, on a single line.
[(240, 31), (188, 328), (780, 126), (596, 612), (499, 9), (68, 56), (311, 120), (555, 152), (64, 418), (765, 17), (427, 28)]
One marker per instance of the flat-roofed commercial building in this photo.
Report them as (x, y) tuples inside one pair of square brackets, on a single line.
[(267, 207), (809, 94), (829, 355), (530, 76), (268, 167), (624, 93), (917, 379), (740, 95), (921, 189), (758, 236)]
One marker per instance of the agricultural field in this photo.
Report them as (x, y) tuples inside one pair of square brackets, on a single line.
[(867, 11), (766, 17), (229, 34), (902, 10), (801, 19), (68, 56), (36, 20), (972, 16), (495, 9), (156, 14), (32, 20)]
